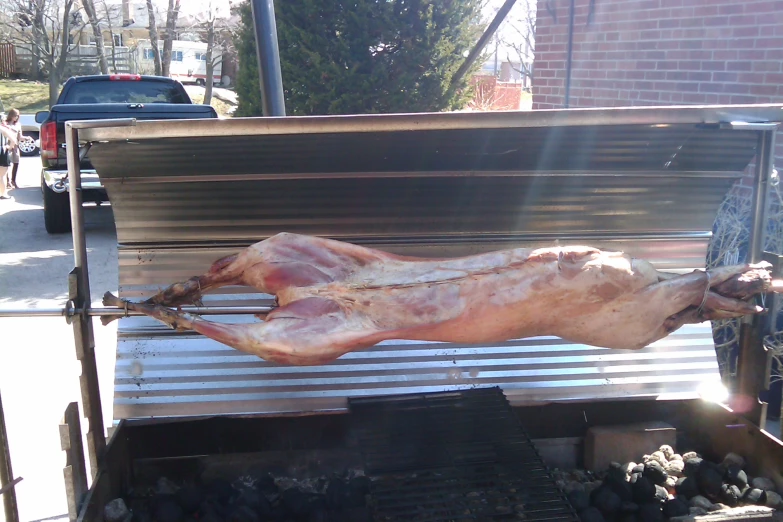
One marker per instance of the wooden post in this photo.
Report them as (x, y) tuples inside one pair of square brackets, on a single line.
[(74, 472), (7, 481)]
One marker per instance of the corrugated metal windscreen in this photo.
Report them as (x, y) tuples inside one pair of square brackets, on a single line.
[(650, 188)]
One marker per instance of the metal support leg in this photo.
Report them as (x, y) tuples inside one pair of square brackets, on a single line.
[(272, 99), (79, 293), (753, 365), (7, 492)]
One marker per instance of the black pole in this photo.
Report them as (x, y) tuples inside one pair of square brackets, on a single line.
[(272, 101), (482, 42), (568, 58)]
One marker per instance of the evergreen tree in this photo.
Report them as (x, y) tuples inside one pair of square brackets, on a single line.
[(363, 56)]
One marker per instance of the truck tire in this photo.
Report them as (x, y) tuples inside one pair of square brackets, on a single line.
[(57, 211)]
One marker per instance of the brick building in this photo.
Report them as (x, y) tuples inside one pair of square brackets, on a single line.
[(656, 52), (670, 52)]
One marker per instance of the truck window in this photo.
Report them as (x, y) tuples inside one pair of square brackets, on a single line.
[(126, 92)]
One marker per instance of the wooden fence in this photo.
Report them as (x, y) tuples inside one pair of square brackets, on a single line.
[(82, 59)]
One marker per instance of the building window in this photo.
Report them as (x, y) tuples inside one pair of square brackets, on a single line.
[(118, 40), (149, 54), (201, 56), (176, 56)]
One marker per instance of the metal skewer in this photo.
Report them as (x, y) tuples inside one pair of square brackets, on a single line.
[(68, 311)]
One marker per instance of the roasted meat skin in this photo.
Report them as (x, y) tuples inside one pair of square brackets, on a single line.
[(336, 297)]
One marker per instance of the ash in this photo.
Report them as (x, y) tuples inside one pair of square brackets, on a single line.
[(667, 485)]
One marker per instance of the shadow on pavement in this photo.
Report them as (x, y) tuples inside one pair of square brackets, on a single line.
[(34, 264)]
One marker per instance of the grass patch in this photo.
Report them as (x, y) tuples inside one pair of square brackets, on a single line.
[(24, 95), (222, 108)]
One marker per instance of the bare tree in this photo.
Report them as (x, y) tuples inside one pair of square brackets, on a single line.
[(58, 60), (168, 40), (109, 24), (154, 38), (89, 8), (50, 30), (518, 37), (206, 26), (210, 65)]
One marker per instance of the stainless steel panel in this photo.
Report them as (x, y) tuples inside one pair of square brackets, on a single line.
[(457, 188), (175, 374), (711, 114)]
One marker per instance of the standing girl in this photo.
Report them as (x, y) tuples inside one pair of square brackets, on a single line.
[(12, 122), (7, 144)]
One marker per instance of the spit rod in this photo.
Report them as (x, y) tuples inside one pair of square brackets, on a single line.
[(121, 312)]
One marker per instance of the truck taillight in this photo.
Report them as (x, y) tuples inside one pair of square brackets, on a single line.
[(49, 139), (125, 77)]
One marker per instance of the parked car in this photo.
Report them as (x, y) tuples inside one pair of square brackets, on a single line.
[(33, 129), (100, 97)]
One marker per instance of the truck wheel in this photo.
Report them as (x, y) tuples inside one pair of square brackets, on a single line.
[(57, 211)]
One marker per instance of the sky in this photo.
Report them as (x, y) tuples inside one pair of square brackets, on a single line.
[(192, 7)]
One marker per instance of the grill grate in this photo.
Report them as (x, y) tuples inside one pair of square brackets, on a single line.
[(453, 456)]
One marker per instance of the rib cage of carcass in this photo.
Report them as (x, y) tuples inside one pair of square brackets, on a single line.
[(646, 182)]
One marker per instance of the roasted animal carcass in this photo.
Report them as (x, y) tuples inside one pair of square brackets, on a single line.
[(336, 297)]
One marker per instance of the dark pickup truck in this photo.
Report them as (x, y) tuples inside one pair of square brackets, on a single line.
[(101, 97)]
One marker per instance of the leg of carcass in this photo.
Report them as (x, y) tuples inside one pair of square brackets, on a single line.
[(281, 261), (222, 272), (306, 332)]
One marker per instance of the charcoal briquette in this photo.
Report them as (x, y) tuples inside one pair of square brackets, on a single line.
[(168, 510), (616, 472), (735, 475), (579, 500), (730, 494), (692, 465), (336, 491), (710, 479), (686, 487), (219, 489), (654, 472), (359, 514), (296, 501), (189, 498), (733, 459), (643, 490), (116, 511), (763, 483), (319, 514), (629, 507), (244, 514), (700, 502), (675, 507), (620, 487), (773, 500), (264, 482), (591, 514), (650, 512), (606, 500), (639, 468), (661, 494), (755, 496), (357, 489)]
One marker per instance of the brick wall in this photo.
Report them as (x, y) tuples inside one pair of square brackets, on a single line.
[(669, 52), (492, 95), (660, 52)]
